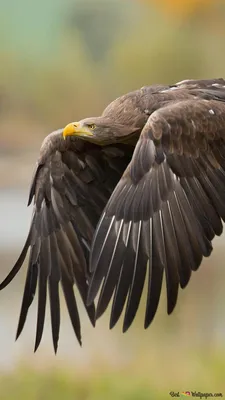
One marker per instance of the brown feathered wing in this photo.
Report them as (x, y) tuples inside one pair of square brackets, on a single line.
[(70, 189), (164, 212)]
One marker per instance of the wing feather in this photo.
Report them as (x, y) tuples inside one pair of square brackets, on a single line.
[(42, 292), (172, 196), (71, 185)]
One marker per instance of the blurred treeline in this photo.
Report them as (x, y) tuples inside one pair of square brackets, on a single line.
[(62, 60)]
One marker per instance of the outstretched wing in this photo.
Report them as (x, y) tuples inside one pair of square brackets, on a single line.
[(70, 189), (164, 212)]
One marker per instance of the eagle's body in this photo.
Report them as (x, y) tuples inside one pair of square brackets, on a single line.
[(135, 192)]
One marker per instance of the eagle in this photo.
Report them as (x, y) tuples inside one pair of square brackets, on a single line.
[(123, 198)]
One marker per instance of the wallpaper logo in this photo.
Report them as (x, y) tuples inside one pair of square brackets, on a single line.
[(185, 394)]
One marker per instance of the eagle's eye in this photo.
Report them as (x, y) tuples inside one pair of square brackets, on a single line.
[(91, 126)]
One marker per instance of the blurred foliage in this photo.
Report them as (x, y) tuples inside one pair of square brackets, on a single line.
[(98, 50), (136, 382), (95, 23), (182, 7), (38, 385)]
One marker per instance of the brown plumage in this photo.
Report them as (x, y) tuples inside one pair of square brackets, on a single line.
[(137, 191)]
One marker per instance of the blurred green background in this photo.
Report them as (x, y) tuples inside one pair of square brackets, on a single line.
[(61, 60)]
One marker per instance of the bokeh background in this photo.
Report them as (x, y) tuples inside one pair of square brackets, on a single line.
[(61, 60)]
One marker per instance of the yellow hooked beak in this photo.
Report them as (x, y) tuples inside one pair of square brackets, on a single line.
[(76, 129)]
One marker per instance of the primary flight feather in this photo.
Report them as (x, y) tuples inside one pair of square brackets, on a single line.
[(127, 196)]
